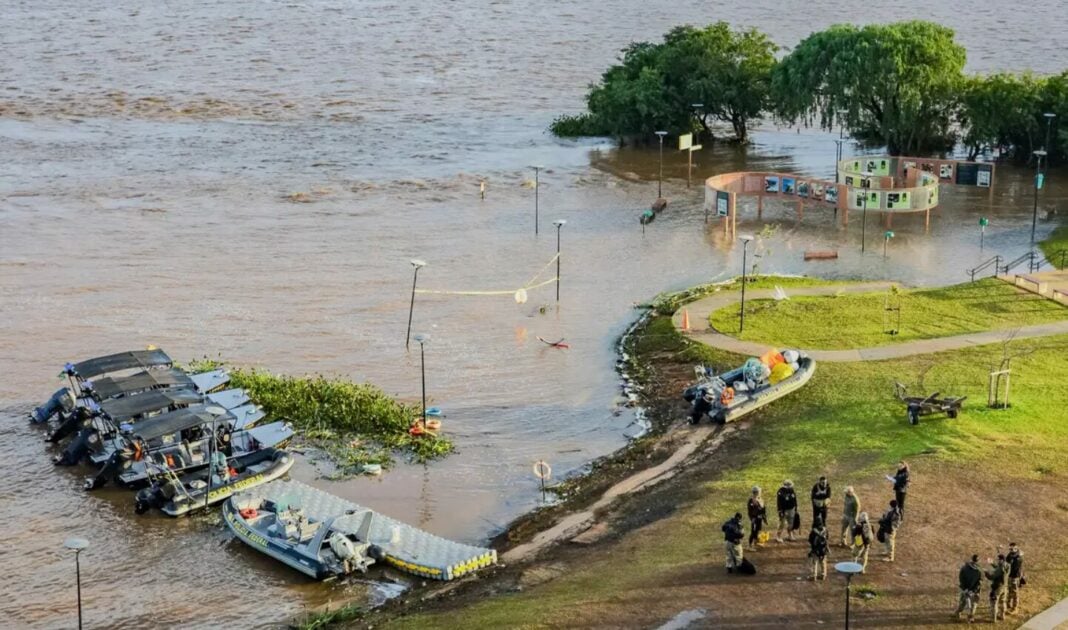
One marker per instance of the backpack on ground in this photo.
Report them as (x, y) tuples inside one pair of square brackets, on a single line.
[(745, 567)]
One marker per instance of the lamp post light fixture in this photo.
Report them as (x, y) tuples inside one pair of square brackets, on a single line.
[(418, 264), (559, 223), (423, 339), (1039, 181), (848, 569), (77, 545), (537, 169), (745, 238), (865, 184), (660, 178), (216, 412)]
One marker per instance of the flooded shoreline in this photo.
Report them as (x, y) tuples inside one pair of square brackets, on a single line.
[(278, 237)]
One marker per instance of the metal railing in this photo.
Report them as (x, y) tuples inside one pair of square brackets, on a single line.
[(1059, 256), (1029, 258), (994, 262)]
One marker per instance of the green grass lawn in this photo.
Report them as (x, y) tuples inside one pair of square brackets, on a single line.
[(846, 421), (1052, 246), (860, 320)]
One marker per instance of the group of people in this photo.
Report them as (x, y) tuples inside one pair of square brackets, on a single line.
[(856, 532), (856, 529), (1005, 576)]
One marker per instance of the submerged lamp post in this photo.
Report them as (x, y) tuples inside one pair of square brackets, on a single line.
[(886, 239), (865, 184), (983, 222), (1049, 116), (423, 339), (559, 223), (1039, 181), (660, 178), (745, 238), (537, 169), (216, 413), (837, 156), (418, 264), (848, 569), (77, 545)]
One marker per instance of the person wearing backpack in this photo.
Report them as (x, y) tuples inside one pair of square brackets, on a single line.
[(998, 574), (970, 580), (1016, 578), (758, 515), (901, 482), (887, 535), (862, 538), (850, 510), (821, 497), (732, 541), (786, 503), (817, 554)]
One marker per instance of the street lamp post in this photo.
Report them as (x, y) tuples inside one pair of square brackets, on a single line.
[(848, 569), (886, 240), (559, 223), (1039, 180), (660, 178), (77, 545), (537, 168), (418, 264), (423, 339), (983, 222), (837, 156), (865, 184), (745, 238), (216, 413), (1049, 116)]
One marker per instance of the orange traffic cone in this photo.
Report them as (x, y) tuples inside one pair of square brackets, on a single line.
[(685, 320)]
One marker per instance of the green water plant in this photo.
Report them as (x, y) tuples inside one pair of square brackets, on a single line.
[(354, 424)]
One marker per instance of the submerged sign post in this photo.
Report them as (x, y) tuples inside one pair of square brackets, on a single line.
[(542, 471), (686, 144)]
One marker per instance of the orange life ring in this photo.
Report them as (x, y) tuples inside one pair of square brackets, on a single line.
[(416, 430), (727, 396), (247, 512)]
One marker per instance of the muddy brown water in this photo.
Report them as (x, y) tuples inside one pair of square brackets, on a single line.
[(249, 180)]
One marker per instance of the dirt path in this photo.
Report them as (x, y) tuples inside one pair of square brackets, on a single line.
[(702, 331)]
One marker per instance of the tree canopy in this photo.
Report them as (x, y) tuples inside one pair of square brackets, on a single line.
[(656, 86), (893, 84)]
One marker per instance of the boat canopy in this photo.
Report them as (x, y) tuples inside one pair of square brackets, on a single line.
[(151, 379), (122, 361), (119, 409), (174, 421)]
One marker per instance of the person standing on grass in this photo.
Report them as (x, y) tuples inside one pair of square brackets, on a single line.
[(1015, 560), (817, 554), (970, 581), (901, 486), (786, 503), (999, 586), (862, 538), (758, 515), (732, 541), (850, 510), (888, 525), (821, 498)]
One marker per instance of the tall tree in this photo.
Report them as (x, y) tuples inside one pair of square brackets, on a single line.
[(892, 84), (1001, 110)]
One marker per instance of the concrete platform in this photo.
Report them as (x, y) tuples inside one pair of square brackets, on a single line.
[(1048, 284)]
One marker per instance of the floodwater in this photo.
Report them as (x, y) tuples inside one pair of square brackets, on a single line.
[(250, 179)]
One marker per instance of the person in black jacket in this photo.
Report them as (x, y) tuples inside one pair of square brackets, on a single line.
[(818, 547), (821, 498), (901, 486), (1015, 560), (732, 541), (970, 581), (786, 504)]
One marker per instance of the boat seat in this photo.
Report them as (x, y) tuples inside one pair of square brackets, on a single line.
[(308, 530)]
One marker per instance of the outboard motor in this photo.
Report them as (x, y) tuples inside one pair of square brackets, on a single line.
[(61, 402)]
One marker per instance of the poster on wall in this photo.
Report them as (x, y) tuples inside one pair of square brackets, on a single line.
[(983, 177), (817, 190), (908, 166), (803, 189), (875, 200), (849, 180), (932, 196), (897, 201), (967, 174), (856, 166), (945, 172), (722, 203), (831, 194), (771, 184), (789, 185)]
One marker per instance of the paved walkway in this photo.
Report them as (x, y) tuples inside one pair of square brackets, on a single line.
[(1053, 618), (700, 310)]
